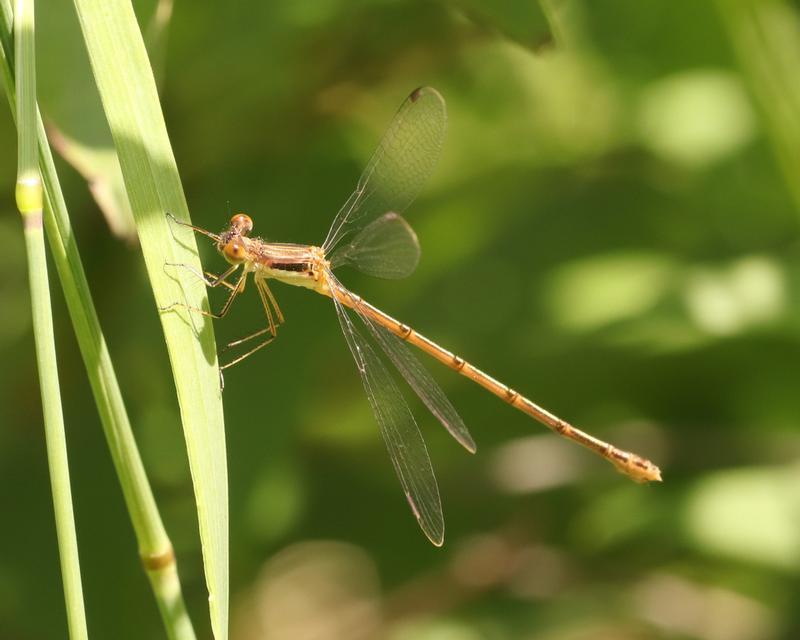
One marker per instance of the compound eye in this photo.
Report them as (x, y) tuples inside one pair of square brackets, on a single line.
[(234, 251), (242, 222)]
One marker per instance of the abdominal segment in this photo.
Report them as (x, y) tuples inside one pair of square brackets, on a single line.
[(292, 266)]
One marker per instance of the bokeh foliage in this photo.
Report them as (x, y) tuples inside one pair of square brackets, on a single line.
[(612, 230)]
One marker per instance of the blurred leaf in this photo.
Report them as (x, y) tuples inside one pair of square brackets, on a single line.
[(766, 37), (696, 117), (589, 293), (525, 22), (99, 166), (748, 293), (156, 36), (750, 514), (76, 125)]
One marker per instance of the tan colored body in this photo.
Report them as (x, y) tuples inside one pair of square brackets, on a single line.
[(307, 266), (316, 278), (632, 465)]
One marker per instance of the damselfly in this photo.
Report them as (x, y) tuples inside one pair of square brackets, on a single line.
[(369, 234)]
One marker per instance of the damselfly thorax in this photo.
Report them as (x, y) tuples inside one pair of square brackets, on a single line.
[(295, 264), (369, 234)]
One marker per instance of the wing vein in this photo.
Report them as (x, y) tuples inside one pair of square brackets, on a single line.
[(395, 174), (400, 432)]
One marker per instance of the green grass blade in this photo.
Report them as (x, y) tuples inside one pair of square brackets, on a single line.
[(130, 99), (54, 426), (29, 201), (99, 166), (29, 183), (154, 546)]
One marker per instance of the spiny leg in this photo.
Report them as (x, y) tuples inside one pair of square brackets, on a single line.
[(237, 289), (214, 281), (247, 338), (221, 279), (205, 232), (265, 304), (266, 299), (273, 301), (249, 353)]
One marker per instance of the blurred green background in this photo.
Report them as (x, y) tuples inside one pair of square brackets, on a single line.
[(612, 230)]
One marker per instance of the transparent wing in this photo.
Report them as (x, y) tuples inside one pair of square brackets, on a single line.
[(422, 382), (403, 161), (400, 432), (385, 248)]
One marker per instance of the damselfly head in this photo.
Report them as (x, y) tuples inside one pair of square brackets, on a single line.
[(232, 242)]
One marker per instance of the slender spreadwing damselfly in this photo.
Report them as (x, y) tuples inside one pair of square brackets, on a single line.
[(370, 235)]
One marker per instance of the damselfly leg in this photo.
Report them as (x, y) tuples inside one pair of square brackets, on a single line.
[(236, 289), (212, 280)]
